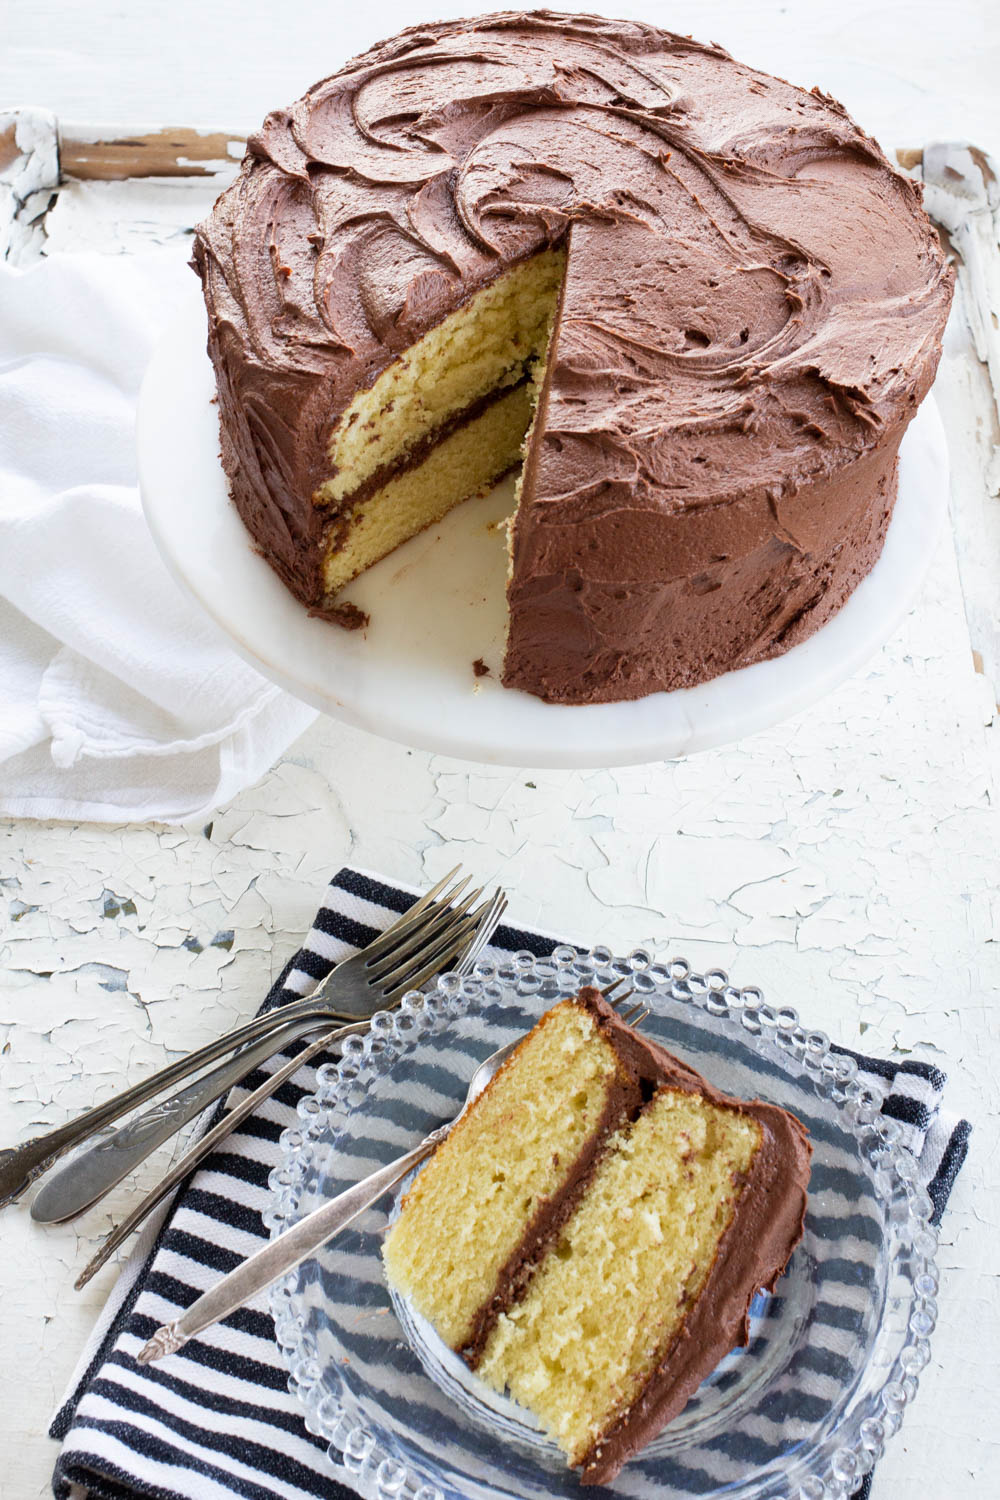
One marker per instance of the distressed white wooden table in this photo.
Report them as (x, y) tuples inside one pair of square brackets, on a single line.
[(845, 861)]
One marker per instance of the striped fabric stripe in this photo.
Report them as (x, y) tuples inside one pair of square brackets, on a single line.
[(218, 1420)]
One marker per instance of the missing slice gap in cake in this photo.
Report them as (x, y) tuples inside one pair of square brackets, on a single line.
[(446, 420)]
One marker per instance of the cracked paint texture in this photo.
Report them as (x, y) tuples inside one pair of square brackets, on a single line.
[(844, 861)]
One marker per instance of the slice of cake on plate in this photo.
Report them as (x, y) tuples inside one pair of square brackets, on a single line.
[(591, 1234)]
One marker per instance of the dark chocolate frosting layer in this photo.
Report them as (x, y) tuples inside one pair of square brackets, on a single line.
[(623, 1102), (752, 311)]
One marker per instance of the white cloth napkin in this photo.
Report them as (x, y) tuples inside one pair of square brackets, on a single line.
[(119, 699)]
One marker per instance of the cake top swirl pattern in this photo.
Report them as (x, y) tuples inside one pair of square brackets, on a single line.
[(753, 300), (759, 303)]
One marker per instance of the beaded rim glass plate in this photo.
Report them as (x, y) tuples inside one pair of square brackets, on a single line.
[(834, 1353)]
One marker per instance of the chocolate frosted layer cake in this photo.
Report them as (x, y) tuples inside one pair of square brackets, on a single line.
[(592, 1232), (698, 300)]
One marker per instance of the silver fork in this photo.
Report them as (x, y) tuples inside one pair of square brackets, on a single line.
[(346, 995), (383, 980), (247, 1106), (316, 1229)]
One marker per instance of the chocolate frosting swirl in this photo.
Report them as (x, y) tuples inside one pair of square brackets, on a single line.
[(752, 310)]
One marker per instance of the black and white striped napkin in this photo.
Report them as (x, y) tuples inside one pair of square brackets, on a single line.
[(218, 1421)]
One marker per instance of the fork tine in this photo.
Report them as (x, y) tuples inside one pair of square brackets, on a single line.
[(491, 910), (487, 927), (609, 989), (414, 914), (456, 933), (428, 923), (636, 1015), (428, 964), (619, 1000), (429, 927)]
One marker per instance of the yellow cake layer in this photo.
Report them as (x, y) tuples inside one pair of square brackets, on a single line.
[(537, 381), (604, 1306), (467, 1212), (481, 347), (465, 463)]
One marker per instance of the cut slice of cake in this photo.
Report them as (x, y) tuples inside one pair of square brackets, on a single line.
[(506, 1179), (591, 1234)]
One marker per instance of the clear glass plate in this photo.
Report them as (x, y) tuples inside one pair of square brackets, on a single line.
[(834, 1354)]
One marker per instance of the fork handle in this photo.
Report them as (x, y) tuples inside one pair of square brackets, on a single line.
[(88, 1177), (285, 1253), (203, 1147), (21, 1165)]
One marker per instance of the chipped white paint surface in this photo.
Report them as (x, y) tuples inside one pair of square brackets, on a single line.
[(29, 175), (845, 861), (962, 192)]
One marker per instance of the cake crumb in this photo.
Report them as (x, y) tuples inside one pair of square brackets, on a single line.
[(480, 668), (348, 616)]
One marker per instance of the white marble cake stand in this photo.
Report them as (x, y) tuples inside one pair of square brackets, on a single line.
[(437, 604)]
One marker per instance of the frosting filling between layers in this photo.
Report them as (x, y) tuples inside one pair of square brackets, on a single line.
[(463, 458), (516, 1159), (444, 381), (610, 1298)]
